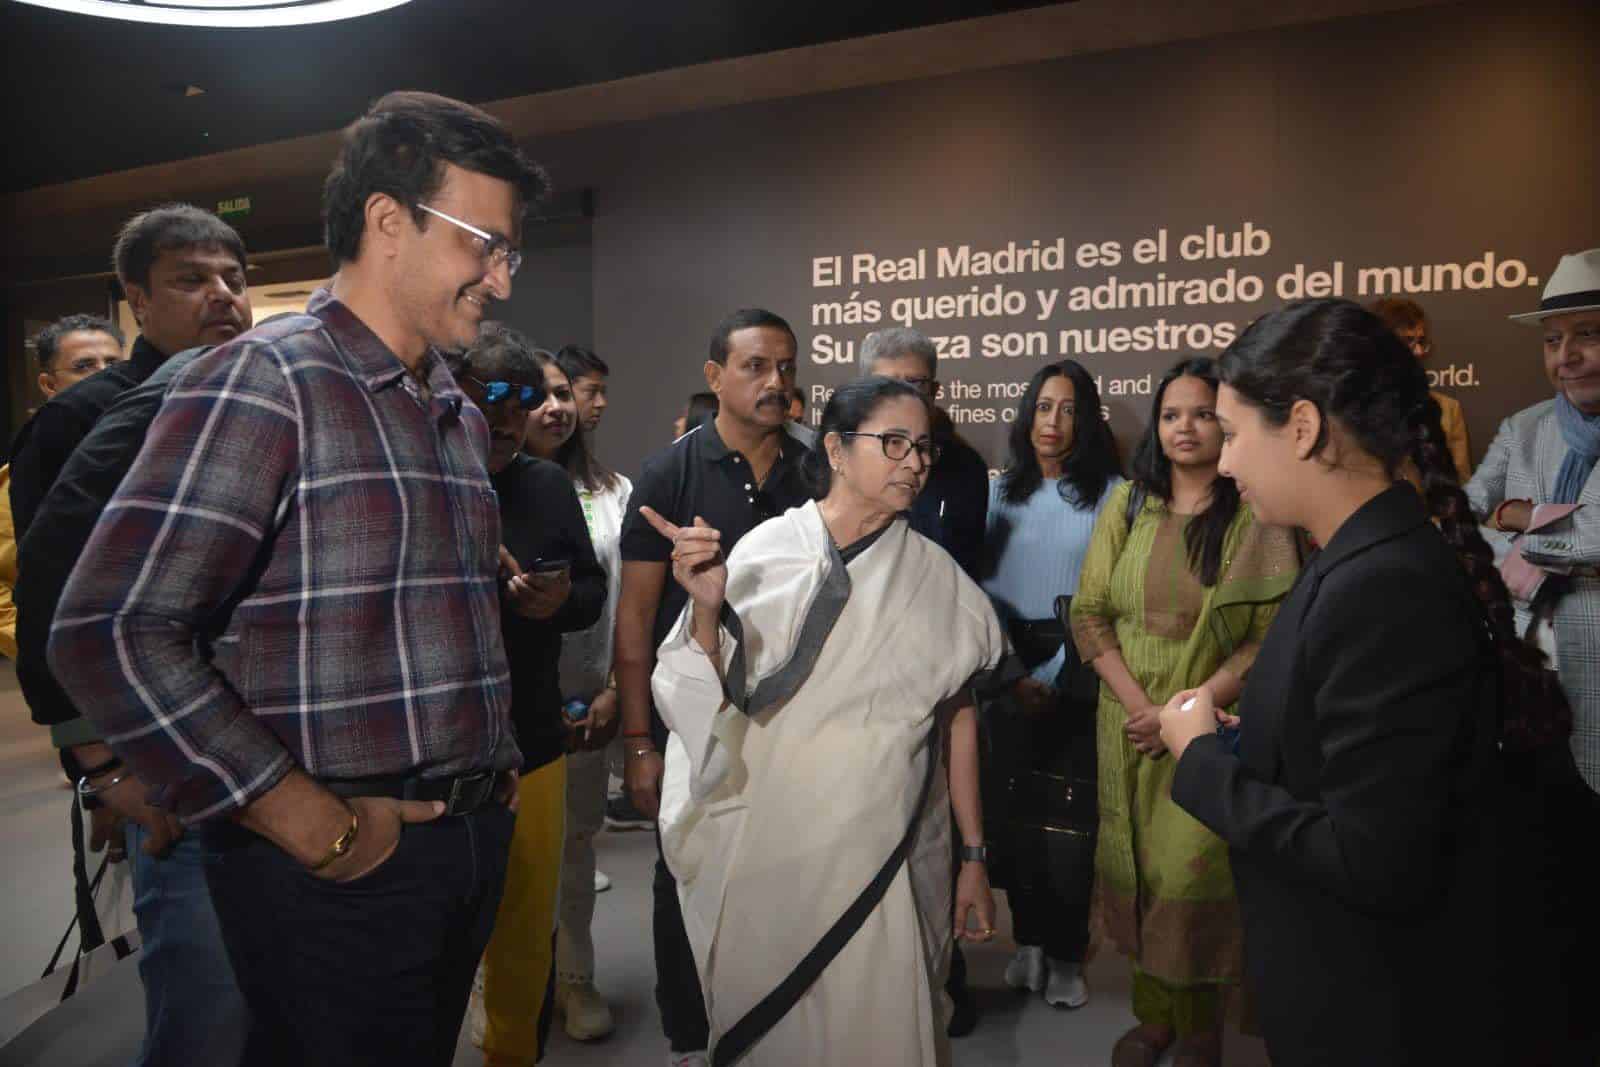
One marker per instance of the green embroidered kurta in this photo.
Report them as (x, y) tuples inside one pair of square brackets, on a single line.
[(1163, 888)]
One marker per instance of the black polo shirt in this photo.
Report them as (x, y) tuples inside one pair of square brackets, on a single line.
[(699, 475)]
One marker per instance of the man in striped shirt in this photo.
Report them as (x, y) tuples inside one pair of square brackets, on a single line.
[(287, 620)]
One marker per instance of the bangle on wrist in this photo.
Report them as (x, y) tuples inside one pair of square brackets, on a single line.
[(342, 844), (86, 790), (628, 734)]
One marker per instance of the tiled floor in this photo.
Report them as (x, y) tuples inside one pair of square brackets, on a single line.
[(101, 1026)]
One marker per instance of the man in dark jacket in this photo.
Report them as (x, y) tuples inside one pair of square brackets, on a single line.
[(952, 509), (183, 270)]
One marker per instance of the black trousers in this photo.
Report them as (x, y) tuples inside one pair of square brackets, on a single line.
[(371, 972), (1039, 772), (678, 997), (1549, 926), (1040, 920)]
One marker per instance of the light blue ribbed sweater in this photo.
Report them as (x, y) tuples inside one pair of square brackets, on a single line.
[(1033, 553)]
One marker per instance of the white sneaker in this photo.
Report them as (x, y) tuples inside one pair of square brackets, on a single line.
[(588, 1015), (602, 881), (688, 1059), (1067, 987), (477, 1018), (1027, 969)]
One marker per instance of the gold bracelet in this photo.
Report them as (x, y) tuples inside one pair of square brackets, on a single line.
[(341, 846)]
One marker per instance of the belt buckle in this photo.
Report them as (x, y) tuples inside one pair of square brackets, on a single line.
[(468, 791)]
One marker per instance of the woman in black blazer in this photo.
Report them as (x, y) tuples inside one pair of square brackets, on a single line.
[(1360, 798)]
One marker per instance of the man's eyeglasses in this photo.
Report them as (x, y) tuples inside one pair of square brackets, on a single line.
[(1420, 344), (898, 446), (494, 250), (527, 397)]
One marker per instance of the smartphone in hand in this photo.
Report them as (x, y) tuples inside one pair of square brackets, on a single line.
[(549, 568)]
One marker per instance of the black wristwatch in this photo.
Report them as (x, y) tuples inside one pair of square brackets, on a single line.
[(975, 854)]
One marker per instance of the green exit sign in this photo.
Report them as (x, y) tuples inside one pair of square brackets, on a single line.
[(237, 208)]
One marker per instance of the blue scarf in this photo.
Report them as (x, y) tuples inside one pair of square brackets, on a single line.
[(1582, 434)]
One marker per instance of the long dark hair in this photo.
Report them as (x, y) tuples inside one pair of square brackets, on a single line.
[(1348, 363), (573, 456), (1093, 461), (1152, 472), (850, 406), (577, 455)]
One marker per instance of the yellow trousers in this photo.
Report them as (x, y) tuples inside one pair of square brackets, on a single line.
[(519, 964)]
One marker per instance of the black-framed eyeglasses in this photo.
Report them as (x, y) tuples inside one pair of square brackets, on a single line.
[(494, 250), (921, 384), (1419, 343), (898, 446), (527, 397)]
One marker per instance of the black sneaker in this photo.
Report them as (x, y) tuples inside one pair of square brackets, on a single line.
[(622, 815)]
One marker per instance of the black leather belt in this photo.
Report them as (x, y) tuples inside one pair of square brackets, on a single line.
[(463, 794)]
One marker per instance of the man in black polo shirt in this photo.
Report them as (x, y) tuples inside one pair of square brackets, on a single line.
[(734, 471)]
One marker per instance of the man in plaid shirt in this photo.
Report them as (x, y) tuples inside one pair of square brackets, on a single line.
[(287, 622)]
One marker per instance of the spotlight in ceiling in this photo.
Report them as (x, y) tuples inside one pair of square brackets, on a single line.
[(225, 14)]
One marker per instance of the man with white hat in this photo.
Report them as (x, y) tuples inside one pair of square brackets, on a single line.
[(1538, 484)]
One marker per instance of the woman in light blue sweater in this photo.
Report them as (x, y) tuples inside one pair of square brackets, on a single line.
[(1040, 773)]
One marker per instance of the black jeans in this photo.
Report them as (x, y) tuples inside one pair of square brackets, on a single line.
[(683, 1008), (375, 971)]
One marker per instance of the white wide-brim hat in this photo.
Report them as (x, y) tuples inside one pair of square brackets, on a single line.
[(1575, 286)]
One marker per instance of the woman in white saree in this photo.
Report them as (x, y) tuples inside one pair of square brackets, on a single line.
[(818, 688)]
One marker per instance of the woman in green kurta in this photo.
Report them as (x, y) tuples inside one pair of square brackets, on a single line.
[(1177, 598)]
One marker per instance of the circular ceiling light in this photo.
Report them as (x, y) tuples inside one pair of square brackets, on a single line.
[(227, 14)]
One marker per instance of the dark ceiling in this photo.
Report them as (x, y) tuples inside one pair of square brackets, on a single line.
[(93, 95)]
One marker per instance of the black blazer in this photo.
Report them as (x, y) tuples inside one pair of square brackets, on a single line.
[(1359, 807)]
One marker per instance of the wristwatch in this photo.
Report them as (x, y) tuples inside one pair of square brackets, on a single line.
[(975, 854)]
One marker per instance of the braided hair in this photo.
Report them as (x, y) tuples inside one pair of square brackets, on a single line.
[(1348, 363)]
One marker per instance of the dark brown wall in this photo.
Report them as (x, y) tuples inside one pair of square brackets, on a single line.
[(1414, 136), (1434, 135)]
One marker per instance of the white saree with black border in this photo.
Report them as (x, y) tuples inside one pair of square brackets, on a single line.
[(804, 810)]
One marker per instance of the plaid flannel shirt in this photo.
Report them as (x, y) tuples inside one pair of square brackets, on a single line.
[(300, 569)]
